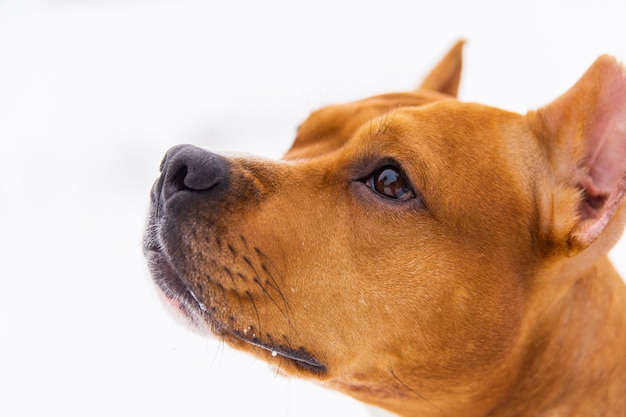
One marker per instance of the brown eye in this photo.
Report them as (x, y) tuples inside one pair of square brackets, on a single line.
[(390, 182)]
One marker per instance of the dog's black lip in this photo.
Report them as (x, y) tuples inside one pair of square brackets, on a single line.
[(300, 357), (172, 286)]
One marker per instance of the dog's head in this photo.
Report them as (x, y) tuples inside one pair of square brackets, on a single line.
[(392, 252)]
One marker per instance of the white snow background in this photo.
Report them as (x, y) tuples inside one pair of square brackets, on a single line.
[(92, 93)]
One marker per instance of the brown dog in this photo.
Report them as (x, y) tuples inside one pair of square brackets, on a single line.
[(431, 257)]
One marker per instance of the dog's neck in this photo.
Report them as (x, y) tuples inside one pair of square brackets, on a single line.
[(570, 335), (558, 367)]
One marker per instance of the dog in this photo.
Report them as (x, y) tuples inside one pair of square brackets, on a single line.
[(424, 255)]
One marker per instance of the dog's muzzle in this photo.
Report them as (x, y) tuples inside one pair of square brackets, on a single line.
[(194, 187), (188, 174)]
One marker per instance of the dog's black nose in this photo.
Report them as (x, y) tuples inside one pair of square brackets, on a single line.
[(189, 168)]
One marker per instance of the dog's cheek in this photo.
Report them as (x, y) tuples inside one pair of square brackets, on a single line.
[(434, 302)]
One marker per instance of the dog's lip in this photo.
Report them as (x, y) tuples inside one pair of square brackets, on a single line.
[(176, 294), (301, 357), (182, 299)]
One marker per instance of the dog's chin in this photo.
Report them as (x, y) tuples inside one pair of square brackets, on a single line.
[(187, 308), (179, 300)]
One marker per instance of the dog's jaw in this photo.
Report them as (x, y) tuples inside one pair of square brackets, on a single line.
[(209, 317)]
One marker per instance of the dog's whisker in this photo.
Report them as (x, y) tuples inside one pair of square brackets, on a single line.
[(268, 295), (408, 388), (272, 280), (256, 310), (273, 283)]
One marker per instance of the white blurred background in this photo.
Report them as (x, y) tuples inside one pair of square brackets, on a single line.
[(92, 93)]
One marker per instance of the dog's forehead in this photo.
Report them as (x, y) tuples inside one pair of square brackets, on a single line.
[(452, 151), (408, 126), (329, 128)]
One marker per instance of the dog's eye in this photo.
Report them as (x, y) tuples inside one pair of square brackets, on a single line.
[(389, 182)]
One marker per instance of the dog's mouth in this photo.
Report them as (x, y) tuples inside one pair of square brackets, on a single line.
[(300, 357), (204, 318), (174, 291)]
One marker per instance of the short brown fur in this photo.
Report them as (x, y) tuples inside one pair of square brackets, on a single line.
[(487, 293)]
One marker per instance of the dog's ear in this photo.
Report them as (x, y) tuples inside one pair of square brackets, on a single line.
[(446, 76), (583, 133)]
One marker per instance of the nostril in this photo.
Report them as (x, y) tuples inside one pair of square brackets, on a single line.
[(177, 180), (188, 168)]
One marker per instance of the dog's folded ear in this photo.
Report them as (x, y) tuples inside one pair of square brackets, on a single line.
[(446, 75), (583, 134)]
